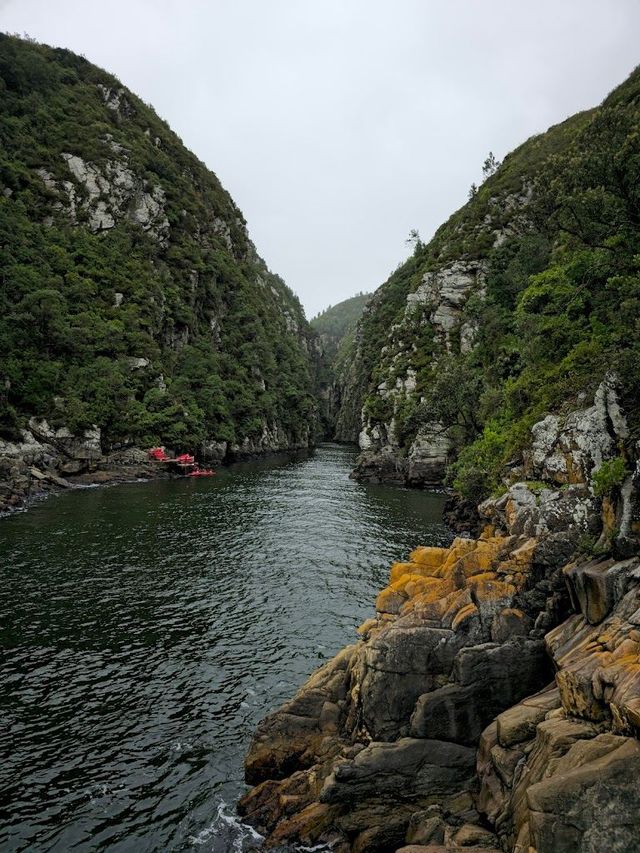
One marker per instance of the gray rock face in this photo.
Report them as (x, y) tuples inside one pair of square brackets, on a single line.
[(399, 665), (380, 466), (116, 100), (591, 801), (570, 787), (408, 769), (489, 678), (596, 587), (104, 194), (445, 291), (83, 448), (35, 464), (438, 300), (215, 452), (557, 518), (571, 449), (273, 439), (424, 465), (428, 456)]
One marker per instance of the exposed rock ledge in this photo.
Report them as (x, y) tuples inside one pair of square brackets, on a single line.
[(377, 752), (48, 460)]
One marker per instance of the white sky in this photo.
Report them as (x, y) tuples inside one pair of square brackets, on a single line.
[(337, 126)]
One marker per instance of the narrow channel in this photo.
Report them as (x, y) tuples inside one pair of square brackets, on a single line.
[(145, 630)]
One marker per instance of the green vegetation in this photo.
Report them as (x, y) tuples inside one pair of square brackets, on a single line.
[(338, 321), (560, 304), (609, 476), (178, 335)]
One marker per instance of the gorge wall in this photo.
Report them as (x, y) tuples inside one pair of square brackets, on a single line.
[(336, 328), (516, 308), (134, 308), (492, 702)]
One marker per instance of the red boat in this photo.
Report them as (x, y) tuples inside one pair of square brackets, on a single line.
[(158, 454), (202, 472), (185, 459)]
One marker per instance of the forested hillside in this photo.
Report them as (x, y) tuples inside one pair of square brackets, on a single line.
[(517, 308), (336, 328), (339, 321), (132, 297)]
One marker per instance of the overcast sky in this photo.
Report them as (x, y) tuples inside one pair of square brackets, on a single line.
[(339, 125)]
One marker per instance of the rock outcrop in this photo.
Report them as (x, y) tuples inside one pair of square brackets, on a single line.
[(374, 751), (48, 460), (511, 651), (558, 771)]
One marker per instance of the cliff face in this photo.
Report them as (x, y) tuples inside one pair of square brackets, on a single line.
[(516, 308), (493, 701), (134, 305), (336, 328)]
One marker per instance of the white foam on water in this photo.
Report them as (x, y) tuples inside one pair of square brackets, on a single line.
[(236, 833), (227, 834)]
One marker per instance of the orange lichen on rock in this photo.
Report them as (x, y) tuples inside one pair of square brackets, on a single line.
[(430, 603), (390, 600), (400, 569), (429, 557), (436, 583)]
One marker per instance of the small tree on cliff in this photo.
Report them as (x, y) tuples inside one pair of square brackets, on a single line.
[(490, 166), (414, 240)]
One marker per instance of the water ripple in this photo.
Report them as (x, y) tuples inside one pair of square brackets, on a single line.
[(145, 629)]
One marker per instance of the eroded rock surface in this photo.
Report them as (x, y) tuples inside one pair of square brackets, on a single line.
[(472, 714)]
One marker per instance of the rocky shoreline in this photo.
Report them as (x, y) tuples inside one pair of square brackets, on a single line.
[(48, 460), (493, 702), (443, 728), (23, 482)]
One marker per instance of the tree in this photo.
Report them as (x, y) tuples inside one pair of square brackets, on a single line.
[(490, 165), (414, 239)]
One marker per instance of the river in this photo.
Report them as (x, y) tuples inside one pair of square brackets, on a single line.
[(145, 629)]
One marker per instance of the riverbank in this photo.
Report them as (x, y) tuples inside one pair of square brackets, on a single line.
[(47, 460), (22, 481), (443, 728)]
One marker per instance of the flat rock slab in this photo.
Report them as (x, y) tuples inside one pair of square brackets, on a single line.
[(402, 771)]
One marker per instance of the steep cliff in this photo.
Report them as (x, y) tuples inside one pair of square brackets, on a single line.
[(336, 328), (134, 307), (493, 701), (516, 308)]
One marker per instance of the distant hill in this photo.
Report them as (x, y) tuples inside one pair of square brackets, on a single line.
[(336, 321)]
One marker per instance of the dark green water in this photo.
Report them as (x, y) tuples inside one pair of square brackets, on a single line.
[(145, 629)]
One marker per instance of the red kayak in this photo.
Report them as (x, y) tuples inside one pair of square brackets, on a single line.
[(202, 472)]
